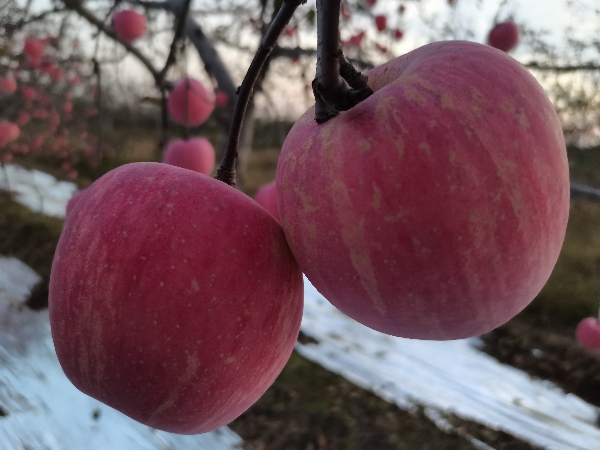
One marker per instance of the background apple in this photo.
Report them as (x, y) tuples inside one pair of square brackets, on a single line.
[(190, 103), (504, 36), (174, 298), (437, 207), (267, 198), (129, 25), (588, 333), (194, 154)]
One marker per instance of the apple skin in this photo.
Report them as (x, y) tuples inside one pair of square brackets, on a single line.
[(129, 25), (194, 154), (504, 36), (437, 207), (267, 198), (587, 333), (174, 298), (190, 94), (74, 200)]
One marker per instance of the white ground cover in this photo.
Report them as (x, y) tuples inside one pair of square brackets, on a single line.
[(42, 410), (444, 377)]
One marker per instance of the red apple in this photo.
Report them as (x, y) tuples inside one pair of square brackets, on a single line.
[(23, 119), (8, 132), (267, 198), (588, 333), (190, 103), (29, 93), (381, 22), (504, 36), (194, 154), (174, 298), (437, 207), (398, 34), (129, 25), (221, 99), (34, 48), (8, 85)]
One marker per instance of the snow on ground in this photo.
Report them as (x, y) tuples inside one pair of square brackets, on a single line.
[(444, 377), (39, 407), (37, 190)]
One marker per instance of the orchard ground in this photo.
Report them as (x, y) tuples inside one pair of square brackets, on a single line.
[(311, 408)]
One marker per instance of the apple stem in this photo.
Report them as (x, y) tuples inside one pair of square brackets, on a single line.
[(226, 170), (337, 86)]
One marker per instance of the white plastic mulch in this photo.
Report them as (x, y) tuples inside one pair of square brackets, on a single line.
[(37, 190), (39, 407), (443, 377)]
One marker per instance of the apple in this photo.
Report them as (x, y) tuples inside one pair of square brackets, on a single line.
[(398, 34), (267, 198), (29, 93), (8, 85), (190, 103), (504, 36), (34, 48), (221, 99), (194, 154), (174, 298), (23, 118), (437, 207), (587, 333), (8, 132), (381, 22), (129, 25)]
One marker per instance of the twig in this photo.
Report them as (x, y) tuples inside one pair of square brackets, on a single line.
[(181, 18), (337, 85), (226, 170)]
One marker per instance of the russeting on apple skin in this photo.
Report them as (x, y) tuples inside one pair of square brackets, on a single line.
[(174, 298), (437, 207)]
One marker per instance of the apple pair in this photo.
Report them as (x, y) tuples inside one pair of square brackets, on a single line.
[(434, 209)]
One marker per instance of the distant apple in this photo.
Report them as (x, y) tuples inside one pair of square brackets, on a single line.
[(195, 154), (8, 85), (381, 22), (190, 103), (588, 333), (34, 48), (129, 25), (8, 132), (267, 198), (504, 36)]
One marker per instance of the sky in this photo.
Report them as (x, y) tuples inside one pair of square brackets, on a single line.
[(286, 88)]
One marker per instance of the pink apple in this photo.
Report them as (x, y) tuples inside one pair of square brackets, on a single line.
[(504, 36), (129, 25), (267, 198), (588, 333), (194, 154), (29, 93), (8, 85), (190, 103), (437, 207), (8, 132), (221, 99), (174, 298), (34, 48), (23, 118)]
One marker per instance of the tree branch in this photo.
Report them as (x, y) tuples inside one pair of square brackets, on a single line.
[(226, 170), (552, 68)]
